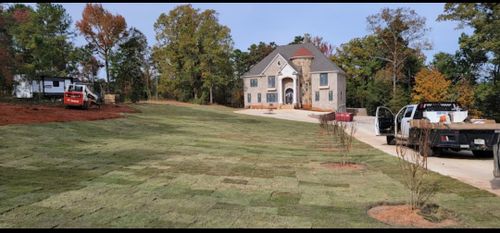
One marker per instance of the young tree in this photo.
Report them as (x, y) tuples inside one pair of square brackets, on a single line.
[(430, 85), (402, 33), (102, 29), (127, 64)]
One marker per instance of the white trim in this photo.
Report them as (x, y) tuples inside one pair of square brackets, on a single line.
[(271, 62), (324, 87), (271, 89)]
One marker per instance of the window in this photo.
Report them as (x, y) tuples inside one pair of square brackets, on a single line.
[(259, 98), (271, 97), (316, 96), (55, 83), (323, 79), (271, 81), (408, 112), (249, 98), (330, 95), (253, 82)]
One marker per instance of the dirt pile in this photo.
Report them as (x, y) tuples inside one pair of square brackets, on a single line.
[(29, 114), (403, 215)]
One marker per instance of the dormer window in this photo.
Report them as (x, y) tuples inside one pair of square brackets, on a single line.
[(279, 63)]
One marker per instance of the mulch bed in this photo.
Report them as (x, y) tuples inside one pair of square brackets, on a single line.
[(403, 215), (29, 114)]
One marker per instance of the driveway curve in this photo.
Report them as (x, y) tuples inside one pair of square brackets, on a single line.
[(462, 166)]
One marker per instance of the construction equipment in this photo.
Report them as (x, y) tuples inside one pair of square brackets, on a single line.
[(79, 95)]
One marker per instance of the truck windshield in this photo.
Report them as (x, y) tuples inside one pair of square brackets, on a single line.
[(75, 88)]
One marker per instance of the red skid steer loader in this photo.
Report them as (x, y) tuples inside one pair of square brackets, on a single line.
[(79, 95)]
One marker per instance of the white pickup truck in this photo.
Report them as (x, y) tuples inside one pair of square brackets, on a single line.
[(450, 129)]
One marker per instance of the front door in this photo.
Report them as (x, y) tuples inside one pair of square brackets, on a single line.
[(289, 96)]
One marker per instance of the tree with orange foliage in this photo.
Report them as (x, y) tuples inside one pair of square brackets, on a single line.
[(463, 93), (101, 29), (430, 85)]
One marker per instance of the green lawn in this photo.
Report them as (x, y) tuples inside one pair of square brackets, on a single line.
[(201, 166)]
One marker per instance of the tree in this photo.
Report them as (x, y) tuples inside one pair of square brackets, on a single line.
[(402, 33), (193, 53), (6, 55), (257, 52), (40, 39), (325, 47), (484, 19), (430, 85), (101, 29), (355, 57), (466, 63), (297, 40), (216, 50), (127, 64)]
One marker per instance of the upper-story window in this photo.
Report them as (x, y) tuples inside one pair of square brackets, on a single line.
[(323, 79), (253, 82), (55, 83), (271, 82)]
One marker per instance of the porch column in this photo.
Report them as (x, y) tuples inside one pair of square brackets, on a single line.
[(279, 90), (295, 90)]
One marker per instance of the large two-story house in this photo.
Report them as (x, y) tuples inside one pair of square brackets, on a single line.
[(295, 76)]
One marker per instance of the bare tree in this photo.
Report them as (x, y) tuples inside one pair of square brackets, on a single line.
[(402, 32)]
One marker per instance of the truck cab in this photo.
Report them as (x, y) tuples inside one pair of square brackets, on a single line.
[(447, 124)]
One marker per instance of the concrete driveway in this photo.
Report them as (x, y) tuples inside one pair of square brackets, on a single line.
[(462, 166)]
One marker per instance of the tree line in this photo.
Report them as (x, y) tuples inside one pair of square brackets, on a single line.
[(194, 58)]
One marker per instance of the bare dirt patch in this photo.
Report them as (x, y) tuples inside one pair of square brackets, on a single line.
[(346, 165), (29, 114), (403, 215)]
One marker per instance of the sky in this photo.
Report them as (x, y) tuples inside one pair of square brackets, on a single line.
[(251, 23)]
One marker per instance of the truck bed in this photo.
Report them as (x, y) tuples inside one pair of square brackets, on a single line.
[(486, 125)]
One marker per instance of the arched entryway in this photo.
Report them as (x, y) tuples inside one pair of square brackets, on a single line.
[(287, 90)]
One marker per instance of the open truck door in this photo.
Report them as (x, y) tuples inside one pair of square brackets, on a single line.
[(496, 154), (384, 124)]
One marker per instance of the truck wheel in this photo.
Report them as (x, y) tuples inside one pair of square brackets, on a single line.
[(391, 140), (482, 153), (426, 150), (86, 105)]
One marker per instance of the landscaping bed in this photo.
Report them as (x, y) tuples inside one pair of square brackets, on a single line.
[(39, 113)]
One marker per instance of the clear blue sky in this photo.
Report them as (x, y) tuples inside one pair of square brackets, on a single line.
[(250, 23)]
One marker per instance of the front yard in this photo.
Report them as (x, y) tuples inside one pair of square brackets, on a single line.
[(202, 166)]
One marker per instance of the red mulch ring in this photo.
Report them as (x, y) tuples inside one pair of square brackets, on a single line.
[(403, 215), (29, 114), (347, 165)]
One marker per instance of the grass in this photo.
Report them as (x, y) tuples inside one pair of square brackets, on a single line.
[(201, 166)]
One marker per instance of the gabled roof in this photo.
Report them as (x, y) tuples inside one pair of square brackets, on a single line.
[(319, 62)]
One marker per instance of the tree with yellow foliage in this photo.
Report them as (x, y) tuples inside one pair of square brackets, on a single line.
[(463, 93), (430, 85)]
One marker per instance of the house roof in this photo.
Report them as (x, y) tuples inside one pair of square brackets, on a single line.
[(319, 62), (302, 52)]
